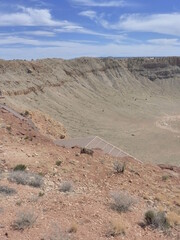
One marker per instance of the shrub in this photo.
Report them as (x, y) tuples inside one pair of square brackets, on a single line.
[(9, 128), (20, 167), (58, 234), (26, 178), (24, 220), (58, 163), (87, 151), (7, 191), (149, 217), (66, 187), (122, 201), (119, 167), (157, 219), (165, 177), (26, 113)]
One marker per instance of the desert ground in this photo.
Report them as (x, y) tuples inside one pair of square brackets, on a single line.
[(132, 103), (53, 193)]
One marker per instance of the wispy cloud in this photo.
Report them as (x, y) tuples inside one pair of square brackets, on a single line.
[(165, 41), (30, 17), (100, 3), (40, 33), (82, 30), (89, 14), (155, 23)]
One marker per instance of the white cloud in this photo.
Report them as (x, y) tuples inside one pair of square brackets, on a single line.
[(89, 14), (155, 23), (99, 3), (30, 17), (39, 33), (165, 41), (81, 30)]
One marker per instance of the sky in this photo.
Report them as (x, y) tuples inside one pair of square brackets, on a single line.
[(34, 29)]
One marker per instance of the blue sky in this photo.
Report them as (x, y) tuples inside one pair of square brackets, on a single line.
[(31, 29)]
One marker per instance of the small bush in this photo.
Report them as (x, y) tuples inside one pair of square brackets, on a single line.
[(26, 178), (119, 167), (26, 113), (87, 151), (7, 191), (165, 177), (157, 219), (58, 163), (20, 167), (41, 194), (117, 228), (122, 201), (149, 217), (9, 128), (24, 220), (58, 234), (66, 187)]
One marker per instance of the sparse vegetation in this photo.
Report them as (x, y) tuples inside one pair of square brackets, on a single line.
[(87, 151), (58, 234), (20, 167), (26, 178), (7, 190), (73, 228), (173, 219), (24, 220), (157, 219), (66, 187), (41, 194), (165, 177), (122, 201), (117, 227), (119, 167), (26, 113), (9, 128), (58, 163)]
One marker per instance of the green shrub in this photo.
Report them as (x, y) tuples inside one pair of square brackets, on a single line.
[(157, 219), (20, 167), (58, 163)]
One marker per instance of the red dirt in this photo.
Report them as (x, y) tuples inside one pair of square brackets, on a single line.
[(93, 178)]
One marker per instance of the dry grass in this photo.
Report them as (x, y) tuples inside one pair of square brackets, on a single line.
[(117, 227), (73, 228), (173, 218)]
